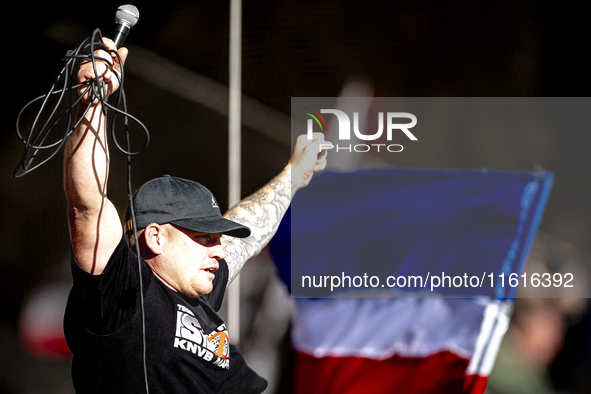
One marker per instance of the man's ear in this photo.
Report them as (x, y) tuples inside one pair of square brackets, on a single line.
[(153, 237)]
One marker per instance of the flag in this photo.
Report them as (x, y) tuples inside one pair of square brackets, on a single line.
[(401, 223)]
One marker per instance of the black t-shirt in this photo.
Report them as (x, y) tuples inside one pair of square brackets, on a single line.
[(187, 344)]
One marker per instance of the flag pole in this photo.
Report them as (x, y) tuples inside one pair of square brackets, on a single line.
[(234, 152)]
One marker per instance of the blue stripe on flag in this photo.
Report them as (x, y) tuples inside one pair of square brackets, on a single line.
[(411, 223)]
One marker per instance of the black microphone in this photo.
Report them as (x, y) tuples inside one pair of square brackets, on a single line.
[(125, 18)]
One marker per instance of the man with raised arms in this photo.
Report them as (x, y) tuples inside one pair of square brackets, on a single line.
[(190, 253)]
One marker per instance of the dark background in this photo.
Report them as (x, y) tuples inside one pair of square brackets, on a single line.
[(290, 49)]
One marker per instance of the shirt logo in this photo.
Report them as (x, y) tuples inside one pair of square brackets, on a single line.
[(213, 347)]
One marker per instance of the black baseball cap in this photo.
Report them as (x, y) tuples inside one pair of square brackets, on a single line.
[(181, 202)]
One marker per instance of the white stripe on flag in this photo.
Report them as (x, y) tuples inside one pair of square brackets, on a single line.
[(382, 328)]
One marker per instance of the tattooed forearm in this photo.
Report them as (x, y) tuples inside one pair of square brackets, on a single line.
[(261, 212)]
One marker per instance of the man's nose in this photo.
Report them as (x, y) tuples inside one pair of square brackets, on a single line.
[(217, 252)]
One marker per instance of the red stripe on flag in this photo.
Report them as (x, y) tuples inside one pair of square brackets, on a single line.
[(440, 373)]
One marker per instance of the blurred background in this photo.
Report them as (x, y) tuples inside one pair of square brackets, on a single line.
[(177, 78)]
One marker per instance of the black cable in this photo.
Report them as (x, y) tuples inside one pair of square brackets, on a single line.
[(35, 141), (137, 250)]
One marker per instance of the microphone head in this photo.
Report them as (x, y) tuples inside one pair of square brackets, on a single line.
[(127, 14)]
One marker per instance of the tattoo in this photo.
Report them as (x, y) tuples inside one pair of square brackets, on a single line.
[(261, 212)]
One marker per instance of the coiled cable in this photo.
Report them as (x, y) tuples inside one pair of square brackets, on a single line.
[(47, 119)]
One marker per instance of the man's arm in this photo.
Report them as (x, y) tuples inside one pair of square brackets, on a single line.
[(95, 227), (262, 211)]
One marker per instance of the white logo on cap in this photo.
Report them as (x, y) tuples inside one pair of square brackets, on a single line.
[(213, 203)]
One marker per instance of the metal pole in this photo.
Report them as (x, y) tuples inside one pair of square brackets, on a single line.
[(234, 144)]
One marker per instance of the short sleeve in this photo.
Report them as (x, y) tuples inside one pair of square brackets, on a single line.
[(109, 300)]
